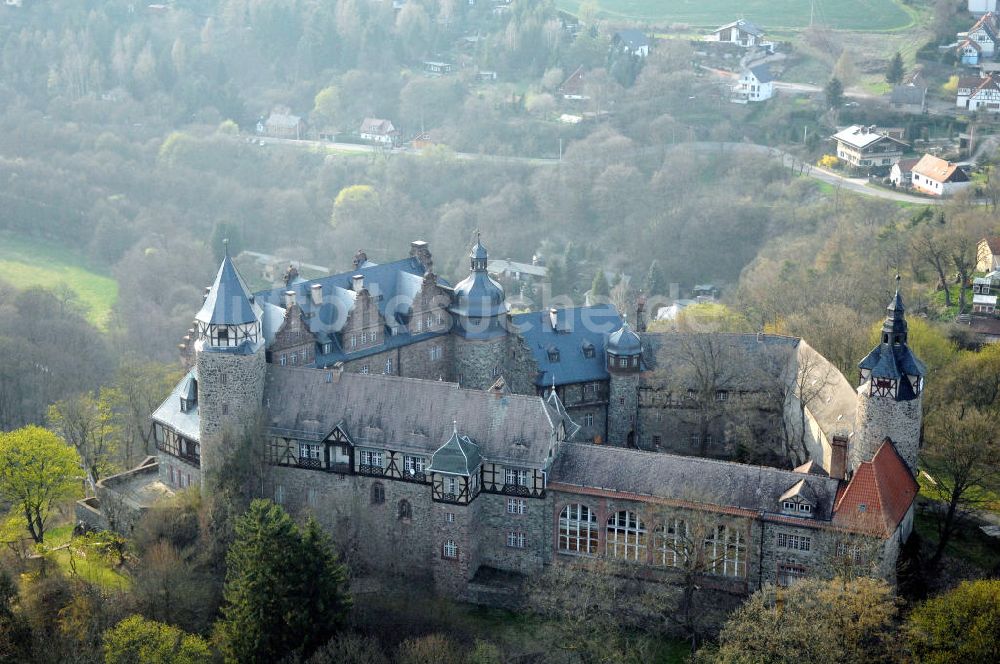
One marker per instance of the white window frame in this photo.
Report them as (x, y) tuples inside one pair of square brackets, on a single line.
[(310, 451), (517, 506), (516, 539), (372, 457), (515, 477), (578, 530), (414, 464), (449, 550), (626, 536)]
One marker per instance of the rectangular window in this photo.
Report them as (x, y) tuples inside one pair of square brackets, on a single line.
[(515, 539), (588, 419), (721, 395), (515, 477), (451, 486), (517, 506), (414, 464), (371, 458), (364, 369), (450, 549), (435, 353), (283, 360), (656, 441), (449, 517), (388, 366), (354, 341), (794, 542), (789, 574), (307, 451)]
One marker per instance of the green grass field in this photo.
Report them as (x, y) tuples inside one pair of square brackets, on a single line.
[(27, 262), (770, 15)]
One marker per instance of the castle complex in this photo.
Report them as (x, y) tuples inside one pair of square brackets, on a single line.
[(441, 438)]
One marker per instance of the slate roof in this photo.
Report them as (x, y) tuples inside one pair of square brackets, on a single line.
[(229, 301), (575, 329), (393, 285), (908, 95), (744, 25), (762, 73), (878, 495), (624, 341), (939, 170), (906, 165), (686, 479), (169, 412), (407, 414), (812, 468), (632, 38), (458, 456)]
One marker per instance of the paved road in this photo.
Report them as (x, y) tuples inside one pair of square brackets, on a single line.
[(854, 185)]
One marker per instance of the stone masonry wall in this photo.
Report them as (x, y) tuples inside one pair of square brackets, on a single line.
[(623, 405), (879, 418)]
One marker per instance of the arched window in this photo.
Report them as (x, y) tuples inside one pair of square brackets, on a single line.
[(378, 493), (671, 544), (578, 530), (626, 536), (449, 549), (405, 511), (725, 552)]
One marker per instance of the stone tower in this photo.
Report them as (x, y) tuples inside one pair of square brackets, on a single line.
[(480, 313), (230, 367), (890, 394), (624, 363)]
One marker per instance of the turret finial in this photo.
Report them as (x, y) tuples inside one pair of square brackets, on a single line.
[(225, 246)]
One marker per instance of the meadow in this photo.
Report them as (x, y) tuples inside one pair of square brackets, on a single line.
[(28, 262), (771, 15)]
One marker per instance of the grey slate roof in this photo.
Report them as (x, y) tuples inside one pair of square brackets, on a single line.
[(909, 95), (229, 301), (393, 285), (576, 328), (169, 412), (762, 73), (688, 479), (625, 341), (406, 413), (632, 38), (458, 456)]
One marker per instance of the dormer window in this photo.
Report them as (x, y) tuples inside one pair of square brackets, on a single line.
[(553, 355), (184, 405), (789, 506), (805, 508), (588, 351), (327, 348)]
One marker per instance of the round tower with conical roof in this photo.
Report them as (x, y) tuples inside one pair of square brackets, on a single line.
[(230, 369), (480, 312), (623, 351), (890, 394)]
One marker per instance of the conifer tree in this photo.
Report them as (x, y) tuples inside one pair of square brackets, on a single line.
[(323, 600), (894, 73), (654, 279), (834, 92), (599, 287)]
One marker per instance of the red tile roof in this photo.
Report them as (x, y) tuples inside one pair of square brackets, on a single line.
[(939, 170), (878, 495)]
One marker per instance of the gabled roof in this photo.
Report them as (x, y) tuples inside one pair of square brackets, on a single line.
[(858, 136), (762, 73), (686, 479), (632, 38), (169, 413), (377, 126), (967, 43), (908, 94), (939, 170), (989, 83), (812, 468), (458, 456), (878, 495), (906, 165), (229, 301), (576, 328), (986, 23), (574, 82), (802, 490), (744, 25), (407, 414)]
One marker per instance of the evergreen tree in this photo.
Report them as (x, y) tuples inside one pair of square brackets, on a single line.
[(894, 73), (323, 602), (599, 287), (654, 279), (557, 278), (283, 590), (834, 92)]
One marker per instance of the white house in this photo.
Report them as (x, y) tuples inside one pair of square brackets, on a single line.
[(984, 34), (632, 42), (282, 124), (984, 298), (867, 147), (379, 131), (755, 84), (741, 32), (982, 6), (969, 52), (979, 94), (901, 174), (938, 177)]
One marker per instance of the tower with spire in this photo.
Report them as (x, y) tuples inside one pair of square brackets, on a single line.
[(480, 313), (624, 358), (890, 394), (230, 365)]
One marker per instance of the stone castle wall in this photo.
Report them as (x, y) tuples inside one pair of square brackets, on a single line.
[(879, 418), (623, 407)]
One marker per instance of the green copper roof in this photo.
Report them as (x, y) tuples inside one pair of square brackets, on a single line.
[(458, 456)]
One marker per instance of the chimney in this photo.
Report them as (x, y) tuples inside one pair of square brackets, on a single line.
[(838, 457), (316, 291), (554, 319), (289, 299), (358, 282), (420, 250)]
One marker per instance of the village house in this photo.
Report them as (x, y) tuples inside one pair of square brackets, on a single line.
[(909, 98), (282, 124), (378, 131), (574, 87), (980, 42), (867, 148), (901, 173), (979, 93), (755, 84), (984, 294), (988, 254), (434, 68), (631, 42), (742, 33), (938, 177)]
